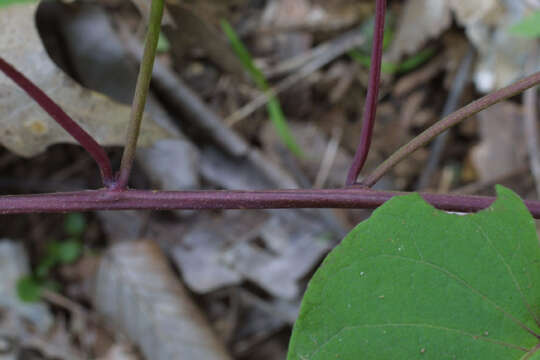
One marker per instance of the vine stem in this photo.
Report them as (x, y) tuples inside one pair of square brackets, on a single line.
[(107, 199), (449, 121), (370, 106), (141, 91), (64, 120)]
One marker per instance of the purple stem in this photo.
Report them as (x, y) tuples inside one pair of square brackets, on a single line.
[(447, 122), (358, 198), (370, 107), (46, 103)]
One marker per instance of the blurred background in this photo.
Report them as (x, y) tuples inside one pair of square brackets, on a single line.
[(246, 94)]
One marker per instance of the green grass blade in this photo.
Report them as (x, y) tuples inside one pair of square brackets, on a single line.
[(390, 68), (243, 54), (367, 33), (416, 60), (273, 107), (280, 122), (365, 60)]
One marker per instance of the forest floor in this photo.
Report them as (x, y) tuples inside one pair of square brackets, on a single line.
[(228, 284)]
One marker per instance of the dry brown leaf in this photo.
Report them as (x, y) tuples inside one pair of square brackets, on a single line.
[(317, 15), (468, 12), (25, 128), (144, 9), (137, 290), (499, 153), (120, 351), (342, 13), (502, 55), (297, 243), (201, 251), (420, 21), (215, 254), (196, 27)]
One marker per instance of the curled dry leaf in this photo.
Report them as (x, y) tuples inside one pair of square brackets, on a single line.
[(421, 21), (137, 290), (25, 128), (200, 255), (501, 54), (317, 15), (274, 252)]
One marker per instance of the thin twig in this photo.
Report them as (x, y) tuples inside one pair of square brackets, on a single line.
[(328, 158), (478, 186), (531, 134), (291, 65), (530, 128), (370, 107), (451, 104), (64, 120), (141, 90), (64, 302), (320, 56), (449, 121), (346, 198)]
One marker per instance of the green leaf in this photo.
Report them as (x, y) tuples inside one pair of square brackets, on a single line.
[(528, 27), (13, 2), (69, 251), (28, 289), (413, 282), (75, 224), (273, 107)]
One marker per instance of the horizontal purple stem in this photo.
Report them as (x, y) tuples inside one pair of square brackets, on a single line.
[(103, 199), (46, 103)]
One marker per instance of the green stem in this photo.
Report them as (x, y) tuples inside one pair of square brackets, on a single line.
[(141, 91), (449, 121)]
